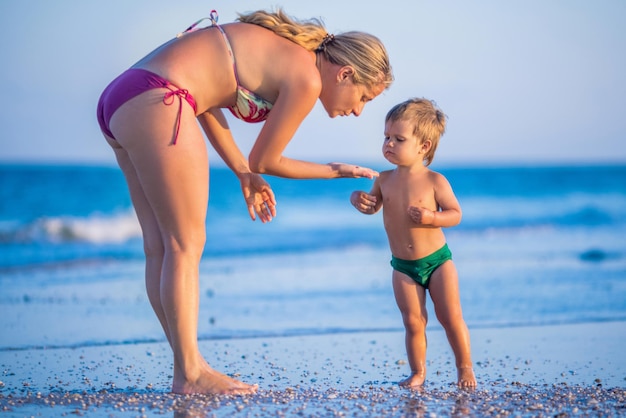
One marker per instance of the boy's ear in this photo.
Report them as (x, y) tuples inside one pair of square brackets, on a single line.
[(426, 145)]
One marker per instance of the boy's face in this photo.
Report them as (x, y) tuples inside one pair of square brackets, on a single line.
[(401, 146)]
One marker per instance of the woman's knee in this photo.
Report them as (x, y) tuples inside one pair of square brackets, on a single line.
[(153, 249), (191, 244)]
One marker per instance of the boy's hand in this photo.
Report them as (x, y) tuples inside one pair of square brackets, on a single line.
[(421, 216), (363, 202), (259, 197)]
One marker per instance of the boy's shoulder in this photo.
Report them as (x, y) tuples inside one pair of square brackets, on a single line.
[(438, 179), (428, 173), (385, 174), (436, 175)]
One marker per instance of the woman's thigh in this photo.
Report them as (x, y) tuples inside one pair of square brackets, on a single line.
[(173, 178)]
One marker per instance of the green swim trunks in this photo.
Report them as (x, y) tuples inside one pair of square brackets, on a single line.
[(421, 269)]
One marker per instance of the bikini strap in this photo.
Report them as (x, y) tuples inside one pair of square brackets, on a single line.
[(213, 17)]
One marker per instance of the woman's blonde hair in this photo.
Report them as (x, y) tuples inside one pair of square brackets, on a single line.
[(429, 122), (364, 52)]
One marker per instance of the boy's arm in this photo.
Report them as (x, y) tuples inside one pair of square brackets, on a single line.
[(368, 203), (449, 213), (450, 210)]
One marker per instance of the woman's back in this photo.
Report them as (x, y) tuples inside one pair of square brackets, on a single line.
[(199, 61)]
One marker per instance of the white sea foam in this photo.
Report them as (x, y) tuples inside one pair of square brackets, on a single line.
[(98, 229)]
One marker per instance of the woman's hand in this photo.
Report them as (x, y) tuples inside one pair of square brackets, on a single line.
[(354, 171), (259, 196)]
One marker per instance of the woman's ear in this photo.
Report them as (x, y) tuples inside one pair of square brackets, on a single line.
[(346, 72)]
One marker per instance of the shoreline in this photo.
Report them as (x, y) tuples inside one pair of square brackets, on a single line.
[(572, 369), (517, 400)]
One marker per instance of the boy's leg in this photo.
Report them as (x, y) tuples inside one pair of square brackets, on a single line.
[(411, 300), (444, 291)]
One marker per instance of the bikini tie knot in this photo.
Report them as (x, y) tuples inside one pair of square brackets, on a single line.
[(168, 99)]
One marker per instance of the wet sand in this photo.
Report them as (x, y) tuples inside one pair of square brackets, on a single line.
[(557, 370)]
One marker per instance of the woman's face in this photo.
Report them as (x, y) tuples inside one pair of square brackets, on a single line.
[(340, 96)]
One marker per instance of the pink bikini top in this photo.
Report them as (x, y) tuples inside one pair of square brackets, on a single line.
[(250, 107)]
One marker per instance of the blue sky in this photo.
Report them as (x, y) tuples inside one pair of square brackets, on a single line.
[(523, 82)]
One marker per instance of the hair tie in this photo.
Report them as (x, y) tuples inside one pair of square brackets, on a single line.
[(328, 38)]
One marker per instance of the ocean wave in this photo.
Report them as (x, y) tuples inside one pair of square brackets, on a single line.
[(96, 229), (575, 210)]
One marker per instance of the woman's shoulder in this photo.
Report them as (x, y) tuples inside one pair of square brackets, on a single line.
[(284, 65), (264, 44)]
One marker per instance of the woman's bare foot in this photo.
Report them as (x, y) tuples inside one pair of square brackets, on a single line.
[(211, 382), (466, 378), (415, 381)]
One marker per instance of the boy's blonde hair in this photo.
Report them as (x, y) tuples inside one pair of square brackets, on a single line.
[(364, 52), (429, 122)]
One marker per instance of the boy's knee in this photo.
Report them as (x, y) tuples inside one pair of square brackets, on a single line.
[(451, 320), (415, 323)]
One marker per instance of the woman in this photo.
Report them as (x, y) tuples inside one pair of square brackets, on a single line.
[(265, 67)]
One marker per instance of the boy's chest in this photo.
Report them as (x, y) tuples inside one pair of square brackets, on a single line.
[(401, 195)]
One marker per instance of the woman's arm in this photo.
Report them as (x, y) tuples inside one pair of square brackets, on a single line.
[(256, 191), (219, 135), (295, 101)]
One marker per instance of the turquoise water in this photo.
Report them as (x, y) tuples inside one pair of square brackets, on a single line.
[(537, 245)]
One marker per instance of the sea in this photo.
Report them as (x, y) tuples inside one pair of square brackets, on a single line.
[(537, 245)]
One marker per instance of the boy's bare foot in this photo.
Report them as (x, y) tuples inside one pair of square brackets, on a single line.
[(212, 382), (415, 381), (466, 378)]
